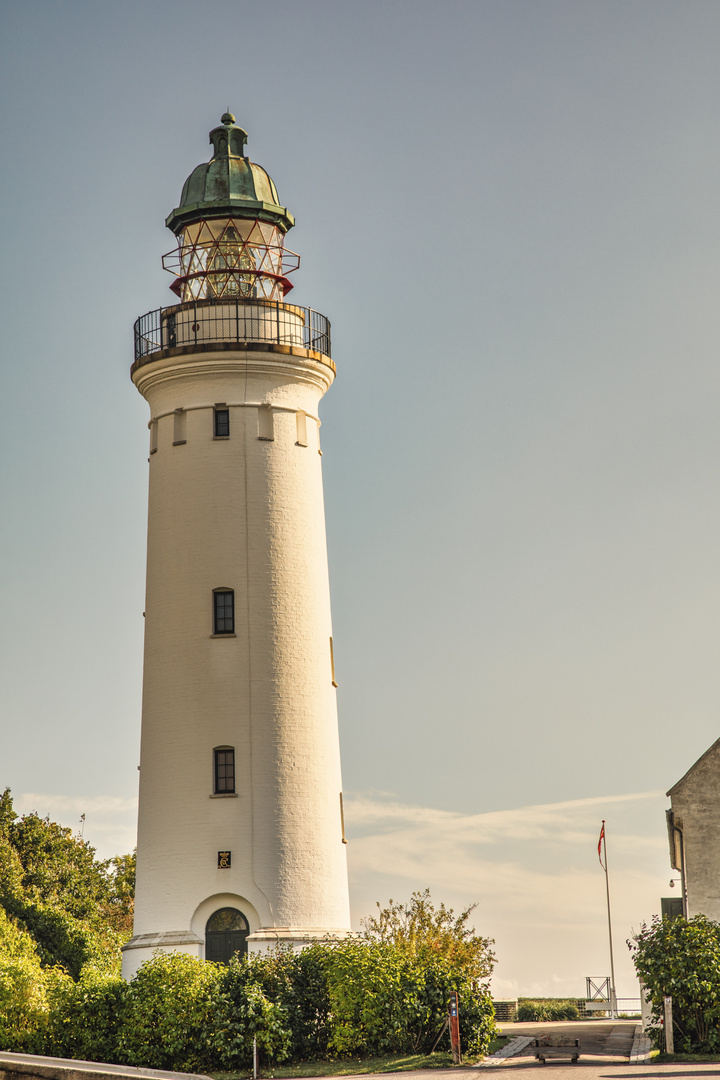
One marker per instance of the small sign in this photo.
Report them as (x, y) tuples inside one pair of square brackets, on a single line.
[(224, 859), (454, 1022)]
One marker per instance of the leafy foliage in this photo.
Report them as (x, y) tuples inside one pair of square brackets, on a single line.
[(419, 929), (306, 995), (386, 1000), (77, 909), (353, 997), (24, 1006), (682, 957), (253, 1003), (169, 1013), (63, 915), (86, 1017)]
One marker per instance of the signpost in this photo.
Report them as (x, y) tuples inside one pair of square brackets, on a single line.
[(455, 1029), (668, 1026)]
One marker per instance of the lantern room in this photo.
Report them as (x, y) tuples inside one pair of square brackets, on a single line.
[(230, 228)]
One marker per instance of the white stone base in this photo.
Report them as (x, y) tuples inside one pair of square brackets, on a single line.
[(143, 947), (267, 939)]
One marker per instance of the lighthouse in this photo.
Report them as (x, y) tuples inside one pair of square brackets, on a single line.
[(241, 842)]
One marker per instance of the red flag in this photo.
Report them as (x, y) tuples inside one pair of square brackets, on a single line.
[(600, 844)]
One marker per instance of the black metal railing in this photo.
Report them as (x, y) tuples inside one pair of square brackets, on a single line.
[(208, 322)]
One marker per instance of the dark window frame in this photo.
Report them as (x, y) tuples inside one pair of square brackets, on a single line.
[(223, 611), (221, 423), (224, 770)]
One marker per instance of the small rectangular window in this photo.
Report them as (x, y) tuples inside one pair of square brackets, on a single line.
[(153, 425), (225, 771), (222, 423), (332, 663), (301, 421), (223, 611), (342, 820), (179, 427), (265, 423)]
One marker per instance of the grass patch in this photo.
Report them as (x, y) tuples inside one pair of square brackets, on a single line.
[(498, 1044), (658, 1058), (544, 1009), (349, 1067)]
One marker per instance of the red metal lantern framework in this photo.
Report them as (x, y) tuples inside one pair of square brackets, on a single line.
[(231, 258)]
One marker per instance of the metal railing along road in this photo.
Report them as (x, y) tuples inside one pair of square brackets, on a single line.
[(624, 1005), (208, 322)]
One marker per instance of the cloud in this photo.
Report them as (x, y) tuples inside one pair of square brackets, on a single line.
[(533, 872), (110, 821)]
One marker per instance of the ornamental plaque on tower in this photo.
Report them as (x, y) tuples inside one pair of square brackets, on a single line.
[(240, 837)]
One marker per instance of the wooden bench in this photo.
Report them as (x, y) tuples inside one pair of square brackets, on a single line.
[(561, 1050)]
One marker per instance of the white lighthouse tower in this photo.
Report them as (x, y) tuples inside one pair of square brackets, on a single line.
[(240, 832)]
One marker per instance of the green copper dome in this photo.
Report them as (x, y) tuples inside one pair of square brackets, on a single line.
[(230, 185)]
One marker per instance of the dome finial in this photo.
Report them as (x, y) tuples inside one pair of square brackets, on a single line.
[(228, 138)]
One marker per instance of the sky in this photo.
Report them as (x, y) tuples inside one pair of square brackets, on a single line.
[(509, 211)]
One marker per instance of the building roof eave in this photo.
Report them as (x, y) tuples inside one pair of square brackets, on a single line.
[(692, 768)]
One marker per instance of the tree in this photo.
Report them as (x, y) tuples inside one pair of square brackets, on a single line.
[(23, 989), (77, 908), (7, 814), (681, 958), (59, 868), (120, 905), (418, 928)]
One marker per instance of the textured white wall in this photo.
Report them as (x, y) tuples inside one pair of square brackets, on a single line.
[(695, 802), (246, 514)]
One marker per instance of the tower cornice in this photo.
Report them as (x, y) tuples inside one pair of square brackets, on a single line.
[(252, 358)]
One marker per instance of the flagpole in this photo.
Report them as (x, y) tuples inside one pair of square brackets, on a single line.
[(613, 994)]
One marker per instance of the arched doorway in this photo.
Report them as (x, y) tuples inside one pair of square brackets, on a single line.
[(226, 934)]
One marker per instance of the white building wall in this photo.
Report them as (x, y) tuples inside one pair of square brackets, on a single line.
[(695, 802), (247, 514)]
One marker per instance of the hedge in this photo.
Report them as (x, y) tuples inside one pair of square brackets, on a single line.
[(330, 1000)]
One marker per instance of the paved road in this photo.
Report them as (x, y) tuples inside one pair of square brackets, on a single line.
[(604, 1049), (601, 1041), (591, 1070)]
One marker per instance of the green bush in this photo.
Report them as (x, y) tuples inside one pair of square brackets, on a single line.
[(545, 1009), (306, 995), (294, 985), (23, 989), (86, 1017), (353, 997), (385, 1001), (244, 1010), (682, 957), (169, 1014), (418, 928)]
